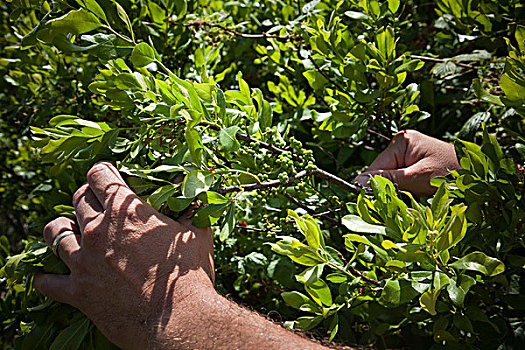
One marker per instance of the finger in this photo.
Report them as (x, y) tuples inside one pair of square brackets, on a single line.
[(68, 246), (393, 157), (107, 184), (56, 287), (414, 179), (87, 206), (363, 178)]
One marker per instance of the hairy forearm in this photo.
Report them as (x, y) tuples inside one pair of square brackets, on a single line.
[(206, 320)]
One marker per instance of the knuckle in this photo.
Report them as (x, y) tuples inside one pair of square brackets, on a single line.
[(411, 134), (79, 193), (91, 228), (48, 231), (91, 237), (112, 189), (402, 135), (51, 227), (76, 261), (99, 167), (56, 226)]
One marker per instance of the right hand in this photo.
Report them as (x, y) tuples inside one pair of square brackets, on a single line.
[(411, 160)]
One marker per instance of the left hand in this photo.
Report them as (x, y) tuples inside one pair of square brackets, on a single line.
[(131, 267)]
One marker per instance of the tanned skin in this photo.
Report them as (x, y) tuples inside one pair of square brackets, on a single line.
[(146, 280), (411, 160)]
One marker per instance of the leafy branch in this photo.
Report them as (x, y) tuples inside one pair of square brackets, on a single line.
[(304, 173), (202, 23)]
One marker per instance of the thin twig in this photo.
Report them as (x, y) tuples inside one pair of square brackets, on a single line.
[(336, 84), (441, 60), (360, 274), (257, 229), (378, 134), (201, 23), (264, 185), (311, 211), (336, 180), (327, 212), (304, 173), (246, 138)]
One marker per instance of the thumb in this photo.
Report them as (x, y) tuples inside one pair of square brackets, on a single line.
[(397, 176), (414, 179)]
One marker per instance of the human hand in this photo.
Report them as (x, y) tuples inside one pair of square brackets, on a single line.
[(131, 267), (411, 160)]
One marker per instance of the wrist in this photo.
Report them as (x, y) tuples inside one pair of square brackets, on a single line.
[(176, 314)]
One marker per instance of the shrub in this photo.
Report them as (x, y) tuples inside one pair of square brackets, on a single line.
[(261, 116)]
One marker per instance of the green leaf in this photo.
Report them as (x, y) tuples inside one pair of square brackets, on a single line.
[(484, 95), (316, 80), (355, 224), (308, 322), (520, 38), (445, 68), (479, 262), (124, 17), (161, 195), (385, 42), (492, 149), (196, 182), (428, 301), (473, 124), (30, 38), (264, 115), (356, 15), (309, 228), (310, 6), (93, 6), (310, 275), (221, 102), (396, 265), (388, 244), (228, 138), (75, 22), (127, 81), (320, 293), (142, 55), (397, 292), (337, 278), (178, 204), (210, 197), (361, 239), (194, 141), (513, 90), (334, 327), (457, 290), (410, 66), (72, 336), (296, 251), (207, 215), (454, 230), (228, 225), (393, 5), (297, 300), (180, 8)]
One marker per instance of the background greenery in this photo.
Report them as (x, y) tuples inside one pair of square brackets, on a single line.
[(266, 107)]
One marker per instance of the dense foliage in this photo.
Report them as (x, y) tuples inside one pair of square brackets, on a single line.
[(260, 114)]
